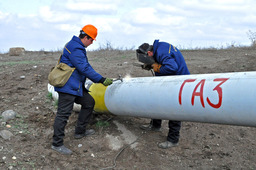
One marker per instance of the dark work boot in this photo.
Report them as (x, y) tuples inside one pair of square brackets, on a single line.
[(62, 149), (167, 144), (150, 127), (88, 132)]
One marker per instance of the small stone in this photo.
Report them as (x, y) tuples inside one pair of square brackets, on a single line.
[(8, 114), (14, 157), (6, 134), (80, 145)]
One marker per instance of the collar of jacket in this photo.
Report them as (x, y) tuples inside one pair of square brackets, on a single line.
[(77, 39)]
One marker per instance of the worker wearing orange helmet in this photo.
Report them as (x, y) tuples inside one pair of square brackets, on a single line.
[(74, 55)]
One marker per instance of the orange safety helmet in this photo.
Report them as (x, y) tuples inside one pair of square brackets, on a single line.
[(91, 31)]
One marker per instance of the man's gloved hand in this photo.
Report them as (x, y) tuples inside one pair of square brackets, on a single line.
[(156, 67), (107, 82)]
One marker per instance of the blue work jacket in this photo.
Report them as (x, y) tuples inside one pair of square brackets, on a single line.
[(74, 55), (171, 59)]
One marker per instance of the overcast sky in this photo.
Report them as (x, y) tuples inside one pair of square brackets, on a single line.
[(49, 24)]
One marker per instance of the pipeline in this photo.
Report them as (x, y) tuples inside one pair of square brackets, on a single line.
[(222, 98)]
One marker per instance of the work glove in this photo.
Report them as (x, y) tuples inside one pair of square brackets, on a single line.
[(107, 82), (156, 67)]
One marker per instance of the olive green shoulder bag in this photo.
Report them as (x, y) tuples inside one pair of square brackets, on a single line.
[(60, 74)]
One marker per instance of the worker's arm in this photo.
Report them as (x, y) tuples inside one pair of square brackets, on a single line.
[(167, 66)]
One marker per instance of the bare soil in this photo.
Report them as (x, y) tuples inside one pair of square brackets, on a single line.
[(202, 146)]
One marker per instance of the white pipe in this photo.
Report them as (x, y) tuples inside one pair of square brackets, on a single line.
[(224, 98)]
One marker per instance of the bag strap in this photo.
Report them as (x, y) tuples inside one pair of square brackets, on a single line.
[(59, 59), (62, 54)]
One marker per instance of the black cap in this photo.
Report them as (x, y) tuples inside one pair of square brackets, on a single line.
[(145, 47)]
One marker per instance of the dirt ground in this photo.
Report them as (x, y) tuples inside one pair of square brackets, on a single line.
[(202, 146)]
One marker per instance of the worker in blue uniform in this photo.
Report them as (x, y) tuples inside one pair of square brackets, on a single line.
[(74, 55), (168, 61)]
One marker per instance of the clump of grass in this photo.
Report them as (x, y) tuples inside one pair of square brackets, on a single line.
[(23, 164), (19, 124), (49, 96), (101, 123), (56, 103), (13, 63)]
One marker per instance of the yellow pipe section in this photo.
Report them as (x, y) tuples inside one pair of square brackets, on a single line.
[(97, 90)]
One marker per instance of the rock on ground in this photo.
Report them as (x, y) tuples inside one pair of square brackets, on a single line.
[(16, 51), (6, 134), (8, 114)]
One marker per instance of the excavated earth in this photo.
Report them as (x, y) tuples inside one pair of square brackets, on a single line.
[(118, 143)]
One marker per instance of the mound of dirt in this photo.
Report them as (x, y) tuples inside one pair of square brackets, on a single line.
[(119, 141)]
